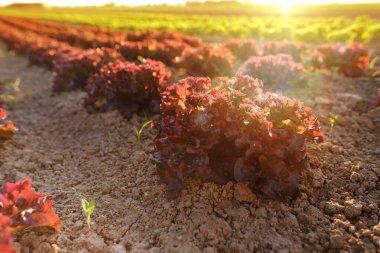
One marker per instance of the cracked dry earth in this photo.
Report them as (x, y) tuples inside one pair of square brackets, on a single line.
[(71, 154)]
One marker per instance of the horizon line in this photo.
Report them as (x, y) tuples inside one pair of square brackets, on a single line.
[(187, 2)]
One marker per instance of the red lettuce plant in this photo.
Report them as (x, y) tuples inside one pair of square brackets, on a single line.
[(233, 131), (40, 50), (7, 127), (11, 37), (74, 68), (205, 61), (278, 72), (327, 56), (5, 235), (46, 54), (173, 49), (351, 60), (20, 208), (355, 60), (164, 51), (26, 208), (242, 49), (127, 86), (164, 35), (293, 48)]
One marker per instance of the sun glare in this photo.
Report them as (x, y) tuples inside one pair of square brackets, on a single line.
[(285, 6)]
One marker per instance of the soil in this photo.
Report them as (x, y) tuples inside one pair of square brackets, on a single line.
[(73, 155)]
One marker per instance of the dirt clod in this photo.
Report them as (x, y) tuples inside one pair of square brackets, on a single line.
[(243, 193), (333, 207), (352, 209), (337, 240)]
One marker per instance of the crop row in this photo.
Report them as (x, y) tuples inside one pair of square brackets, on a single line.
[(311, 30), (264, 132), (194, 57), (90, 37), (110, 80), (193, 126), (228, 128)]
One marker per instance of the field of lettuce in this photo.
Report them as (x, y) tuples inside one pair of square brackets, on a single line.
[(335, 23), (188, 134)]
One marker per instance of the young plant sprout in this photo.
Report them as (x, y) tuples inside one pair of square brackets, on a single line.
[(111, 141), (375, 71), (139, 132), (10, 91), (15, 85), (333, 118), (30, 93), (88, 208)]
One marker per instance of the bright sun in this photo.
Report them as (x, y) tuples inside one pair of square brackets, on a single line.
[(285, 6)]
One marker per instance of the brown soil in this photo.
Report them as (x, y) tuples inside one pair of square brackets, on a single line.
[(74, 155)]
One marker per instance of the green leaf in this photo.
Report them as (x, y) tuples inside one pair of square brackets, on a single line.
[(88, 208), (333, 118), (373, 62), (139, 132), (84, 204), (376, 73), (91, 207)]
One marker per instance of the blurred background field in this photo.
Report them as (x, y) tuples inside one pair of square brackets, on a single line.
[(342, 23)]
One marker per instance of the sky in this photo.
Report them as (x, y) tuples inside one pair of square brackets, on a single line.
[(145, 2)]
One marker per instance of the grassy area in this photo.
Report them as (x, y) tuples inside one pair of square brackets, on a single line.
[(332, 23)]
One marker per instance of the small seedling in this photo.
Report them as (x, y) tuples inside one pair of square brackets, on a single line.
[(48, 181), (333, 118), (139, 132), (111, 141), (10, 91), (15, 85), (30, 93), (372, 66), (14, 102), (88, 208)]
